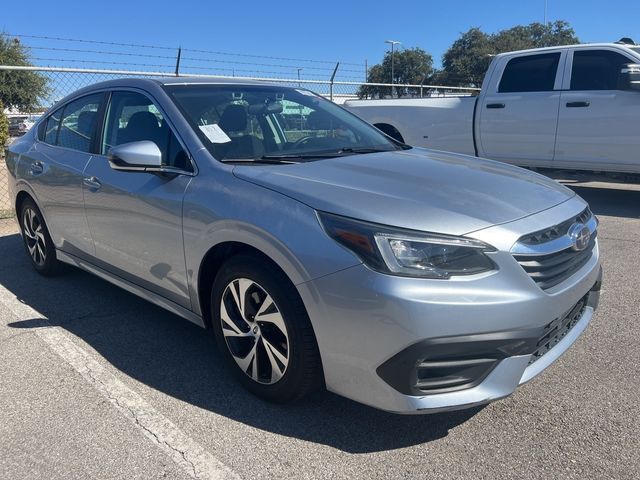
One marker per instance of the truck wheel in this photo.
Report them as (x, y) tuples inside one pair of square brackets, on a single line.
[(390, 130), (263, 330)]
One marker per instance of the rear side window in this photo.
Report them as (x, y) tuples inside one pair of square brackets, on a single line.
[(133, 117), (533, 73), (51, 129), (79, 121), (596, 69)]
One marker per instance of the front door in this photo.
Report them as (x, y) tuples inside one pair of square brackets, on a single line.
[(518, 114), (135, 218), (598, 122)]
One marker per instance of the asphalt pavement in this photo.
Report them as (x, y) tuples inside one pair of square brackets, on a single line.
[(96, 383)]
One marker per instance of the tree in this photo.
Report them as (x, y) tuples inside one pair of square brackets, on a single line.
[(411, 66), (466, 61), (4, 130), (19, 89)]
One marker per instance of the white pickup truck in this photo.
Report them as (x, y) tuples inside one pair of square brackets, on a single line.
[(573, 107)]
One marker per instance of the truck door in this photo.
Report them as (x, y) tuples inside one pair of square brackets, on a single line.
[(598, 123), (518, 112)]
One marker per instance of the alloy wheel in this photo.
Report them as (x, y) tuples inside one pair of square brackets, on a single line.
[(34, 236), (254, 331)]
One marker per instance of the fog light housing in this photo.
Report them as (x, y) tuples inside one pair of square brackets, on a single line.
[(449, 364)]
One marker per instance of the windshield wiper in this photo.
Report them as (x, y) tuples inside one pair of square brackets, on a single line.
[(362, 150), (319, 155), (268, 160), (300, 156)]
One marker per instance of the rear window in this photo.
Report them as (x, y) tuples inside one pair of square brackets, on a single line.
[(78, 123), (532, 73)]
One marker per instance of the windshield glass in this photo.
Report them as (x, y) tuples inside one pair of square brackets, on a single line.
[(247, 122)]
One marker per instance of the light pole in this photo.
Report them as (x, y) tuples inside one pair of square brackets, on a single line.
[(393, 43), (299, 76)]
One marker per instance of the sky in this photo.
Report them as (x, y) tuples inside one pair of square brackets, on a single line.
[(346, 31)]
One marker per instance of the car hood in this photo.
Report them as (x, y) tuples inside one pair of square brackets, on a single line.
[(418, 189)]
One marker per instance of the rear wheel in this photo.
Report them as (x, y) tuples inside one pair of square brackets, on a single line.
[(263, 330), (37, 240)]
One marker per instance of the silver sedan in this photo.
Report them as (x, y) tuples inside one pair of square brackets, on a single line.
[(319, 251)]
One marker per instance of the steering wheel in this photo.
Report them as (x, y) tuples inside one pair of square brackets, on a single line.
[(301, 142)]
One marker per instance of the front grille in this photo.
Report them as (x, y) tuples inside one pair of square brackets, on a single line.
[(558, 329), (549, 270), (551, 233)]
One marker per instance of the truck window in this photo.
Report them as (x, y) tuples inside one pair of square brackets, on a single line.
[(596, 69), (531, 73)]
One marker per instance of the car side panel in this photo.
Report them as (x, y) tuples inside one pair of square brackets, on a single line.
[(53, 176), (135, 220), (219, 207)]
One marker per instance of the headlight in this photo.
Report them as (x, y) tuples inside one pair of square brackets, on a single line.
[(406, 252)]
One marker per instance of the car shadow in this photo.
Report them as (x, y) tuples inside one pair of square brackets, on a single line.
[(180, 359)]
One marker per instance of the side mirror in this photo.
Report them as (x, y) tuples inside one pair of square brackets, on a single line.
[(630, 77), (142, 156)]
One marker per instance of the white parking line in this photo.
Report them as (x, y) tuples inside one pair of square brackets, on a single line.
[(182, 449)]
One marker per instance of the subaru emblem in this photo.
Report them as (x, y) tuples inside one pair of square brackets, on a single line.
[(580, 236)]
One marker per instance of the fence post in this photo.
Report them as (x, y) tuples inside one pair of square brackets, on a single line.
[(422, 84), (178, 62), (331, 81)]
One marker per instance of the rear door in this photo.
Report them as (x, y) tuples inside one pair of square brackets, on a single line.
[(55, 171), (135, 218), (518, 112), (598, 122)]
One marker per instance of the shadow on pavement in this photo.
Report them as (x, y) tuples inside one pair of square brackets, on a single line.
[(179, 359), (614, 202)]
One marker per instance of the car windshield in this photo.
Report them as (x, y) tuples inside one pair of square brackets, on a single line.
[(270, 123)]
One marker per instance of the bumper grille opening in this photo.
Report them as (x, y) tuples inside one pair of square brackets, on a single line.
[(558, 329), (451, 374), (551, 269)]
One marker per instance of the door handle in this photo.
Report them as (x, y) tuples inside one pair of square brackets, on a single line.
[(92, 182), (495, 105), (36, 168), (578, 104)]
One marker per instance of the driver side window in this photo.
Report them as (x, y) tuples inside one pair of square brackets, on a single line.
[(133, 117)]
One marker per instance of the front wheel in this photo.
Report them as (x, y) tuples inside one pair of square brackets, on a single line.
[(263, 330)]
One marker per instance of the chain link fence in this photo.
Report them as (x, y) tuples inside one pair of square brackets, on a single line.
[(7, 225), (63, 81)]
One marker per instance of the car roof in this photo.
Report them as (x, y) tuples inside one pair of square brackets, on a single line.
[(153, 81), (205, 80), (149, 83), (560, 47)]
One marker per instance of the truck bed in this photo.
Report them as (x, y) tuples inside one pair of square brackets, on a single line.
[(440, 123)]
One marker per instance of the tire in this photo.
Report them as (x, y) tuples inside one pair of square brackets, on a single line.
[(390, 131), (273, 353), (37, 240)]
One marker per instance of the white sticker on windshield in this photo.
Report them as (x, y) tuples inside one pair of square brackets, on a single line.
[(214, 133)]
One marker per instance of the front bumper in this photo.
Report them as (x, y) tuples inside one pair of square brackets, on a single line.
[(365, 321)]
